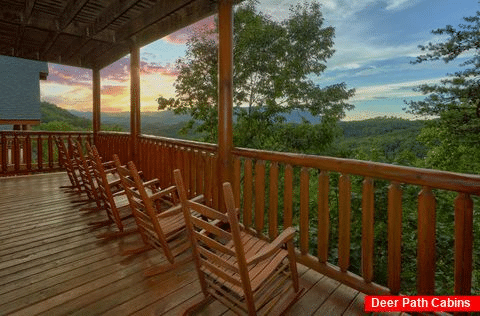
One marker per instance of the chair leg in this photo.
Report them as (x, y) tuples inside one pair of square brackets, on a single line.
[(100, 224), (113, 235), (135, 251), (166, 267), (192, 310), (90, 209)]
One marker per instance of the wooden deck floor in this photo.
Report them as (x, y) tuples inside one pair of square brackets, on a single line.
[(51, 263)]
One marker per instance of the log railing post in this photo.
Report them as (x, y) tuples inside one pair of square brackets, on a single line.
[(134, 100), (394, 237), (463, 244), (225, 94), (96, 103), (368, 201), (426, 242)]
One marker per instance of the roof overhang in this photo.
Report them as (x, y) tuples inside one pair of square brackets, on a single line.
[(91, 33)]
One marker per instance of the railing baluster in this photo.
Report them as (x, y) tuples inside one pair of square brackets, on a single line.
[(200, 171), (215, 191), (247, 193), (40, 152), (426, 242), (344, 222), (304, 208), (28, 152), (236, 180), (367, 229), (16, 153), (50, 151), (287, 197), (463, 244), (191, 167), (208, 180), (4, 154), (273, 202), (394, 237), (323, 216), (259, 195)]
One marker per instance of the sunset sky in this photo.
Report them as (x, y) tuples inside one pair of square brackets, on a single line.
[(375, 42)]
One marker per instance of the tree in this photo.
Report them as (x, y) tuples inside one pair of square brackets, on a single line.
[(453, 137), (273, 65)]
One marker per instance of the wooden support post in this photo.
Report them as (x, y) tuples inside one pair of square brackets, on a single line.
[(134, 100), (96, 103), (225, 94)]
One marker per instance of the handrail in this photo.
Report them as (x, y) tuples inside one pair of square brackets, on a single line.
[(182, 142), (423, 177)]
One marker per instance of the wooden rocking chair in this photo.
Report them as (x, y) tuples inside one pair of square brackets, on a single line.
[(116, 209), (164, 230), (249, 275), (85, 170), (67, 162)]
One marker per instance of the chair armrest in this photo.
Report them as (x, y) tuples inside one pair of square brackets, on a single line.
[(178, 208), (118, 193), (285, 236), (115, 182), (162, 193), (151, 183), (109, 164), (111, 171)]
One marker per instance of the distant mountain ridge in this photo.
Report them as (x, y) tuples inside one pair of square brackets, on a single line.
[(167, 117)]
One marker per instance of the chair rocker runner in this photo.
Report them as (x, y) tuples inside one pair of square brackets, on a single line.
[(247, 274), (67, 162), (164, 230), (85, 170), (117, 210)]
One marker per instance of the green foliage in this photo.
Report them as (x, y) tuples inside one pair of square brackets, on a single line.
[(54, 118), (381, 139), (453, 138), (272, 65), (57, 126), (50, 113)]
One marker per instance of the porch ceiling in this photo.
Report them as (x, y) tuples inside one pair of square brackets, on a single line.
[(91, 33)]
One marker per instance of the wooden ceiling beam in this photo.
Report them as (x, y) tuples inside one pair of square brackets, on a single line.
[(27, 13), (25, 18), (71, 10), (158, 12), (115, 10), (162, 19)]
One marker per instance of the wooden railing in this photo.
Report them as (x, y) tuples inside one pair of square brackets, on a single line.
[(338, 206), (275, 190), (307, 183), (159, 156), (23, 152)]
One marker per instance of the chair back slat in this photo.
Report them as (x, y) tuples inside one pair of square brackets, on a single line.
[(66, 162), (103, 187), (260, 285), (143, 208)]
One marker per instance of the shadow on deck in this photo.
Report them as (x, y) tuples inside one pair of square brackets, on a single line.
[(51, 263)]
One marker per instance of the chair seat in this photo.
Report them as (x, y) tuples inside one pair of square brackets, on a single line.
[(265, 276), (172, 224)]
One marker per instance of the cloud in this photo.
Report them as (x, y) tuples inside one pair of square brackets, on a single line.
[(71, 76), (157, 68), (365, 114), (400, 90), (182, 36), (114, 90)]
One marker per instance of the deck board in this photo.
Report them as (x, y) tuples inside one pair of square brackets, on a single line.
[(51, 263)]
